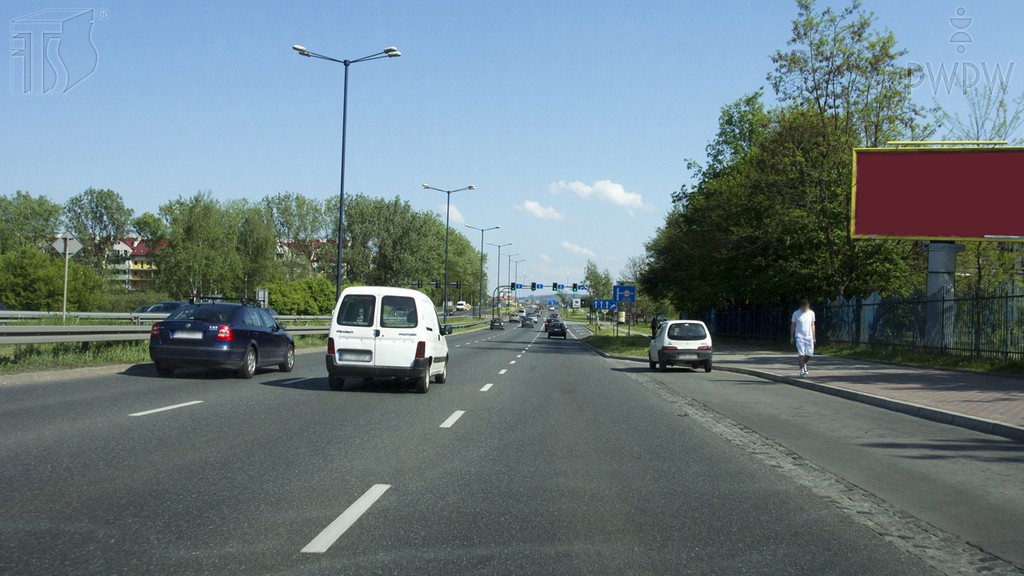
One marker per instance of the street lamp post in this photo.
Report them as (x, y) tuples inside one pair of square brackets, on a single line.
[(499, 246), (447, 224), (389, 52), (516, 262), (480, 303), (510, 277)]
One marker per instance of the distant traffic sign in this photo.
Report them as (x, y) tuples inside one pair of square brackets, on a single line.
[(604, 305), (624, 293), (540, 286), (71, 247), (560, 287), (519, 286), (552, 302)]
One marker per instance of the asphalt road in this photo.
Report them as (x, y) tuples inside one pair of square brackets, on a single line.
[(536, 457)]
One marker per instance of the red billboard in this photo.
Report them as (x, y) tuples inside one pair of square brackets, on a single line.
[(938, 193)]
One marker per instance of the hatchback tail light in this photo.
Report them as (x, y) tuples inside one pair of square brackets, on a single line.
[(669, 348), (421, 350), (224, 333), (154, 332), (330, 346), (704, 347)]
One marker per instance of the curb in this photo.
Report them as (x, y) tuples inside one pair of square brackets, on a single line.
[(974, 423)]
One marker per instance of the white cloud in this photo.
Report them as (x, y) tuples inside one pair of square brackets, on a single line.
[(604, 190), (534, 208), (456, 216), (578, 250), (543, 257)]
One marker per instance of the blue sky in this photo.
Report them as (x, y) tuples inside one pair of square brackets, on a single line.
[(573, 119)]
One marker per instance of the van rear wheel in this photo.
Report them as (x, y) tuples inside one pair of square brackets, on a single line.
[(443, 376), (335, 383), (423, 381)]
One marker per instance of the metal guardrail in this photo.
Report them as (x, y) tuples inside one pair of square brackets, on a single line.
[(130, 332)]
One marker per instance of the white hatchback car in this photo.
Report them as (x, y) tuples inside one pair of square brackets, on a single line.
[(681, 343), (379, 331)]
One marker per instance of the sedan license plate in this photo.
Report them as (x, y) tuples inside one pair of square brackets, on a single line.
[(188, 335)]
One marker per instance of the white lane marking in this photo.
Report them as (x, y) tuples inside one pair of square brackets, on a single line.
[(294, 380), (165, 408), (452, 419), (512, 362), (486, 387), (458, 345), (502, 371), (520, 355), (335, 529)]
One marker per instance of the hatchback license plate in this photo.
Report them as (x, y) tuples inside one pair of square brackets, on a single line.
[(188, 335)]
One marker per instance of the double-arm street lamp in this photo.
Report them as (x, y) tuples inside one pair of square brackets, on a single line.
[(480, 303), (497, 292), (516, 262), (389, 52), (447, 223)]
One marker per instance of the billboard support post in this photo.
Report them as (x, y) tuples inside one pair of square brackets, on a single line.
[(939, 287)]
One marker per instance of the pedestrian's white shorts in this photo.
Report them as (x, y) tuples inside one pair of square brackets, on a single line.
[(804, 347)]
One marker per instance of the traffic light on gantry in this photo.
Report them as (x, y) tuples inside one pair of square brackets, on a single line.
[(512, 286), (575, 287)]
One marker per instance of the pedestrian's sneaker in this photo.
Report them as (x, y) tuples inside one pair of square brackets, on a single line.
[(803, 372), (806, 372)]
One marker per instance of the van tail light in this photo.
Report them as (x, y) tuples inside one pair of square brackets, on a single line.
[(669, 348), (330, 347), (224, 333), (704, 347), (154, 332), (421, 350)]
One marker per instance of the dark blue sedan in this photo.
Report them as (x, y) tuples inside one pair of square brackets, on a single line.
[(240, 337)]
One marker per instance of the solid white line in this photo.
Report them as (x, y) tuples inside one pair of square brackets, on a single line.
[(452, 419), (155, 410), (502, 371), (335, 529), (486, 387)]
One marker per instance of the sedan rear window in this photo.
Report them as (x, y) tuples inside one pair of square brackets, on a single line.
[(686, 332), (220, 313), (357, 310), (398, 312)]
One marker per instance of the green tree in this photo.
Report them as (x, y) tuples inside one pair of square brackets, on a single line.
[(201, 256), (256, 245), (28, 221), (34, 280), (99, 219), (305, 227), (599, 282)]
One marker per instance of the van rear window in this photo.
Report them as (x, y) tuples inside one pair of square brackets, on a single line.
[(357, 310), (398, 312), (686, 332)]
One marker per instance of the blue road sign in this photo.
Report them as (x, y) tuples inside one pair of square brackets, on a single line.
[(624, 293), (552, 302), (560, 287), (604, 304), (519, 286), (540, 286)]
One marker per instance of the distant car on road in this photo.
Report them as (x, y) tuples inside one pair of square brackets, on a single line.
[(461, 306), (513, 318), (558, 328), (497, 324), (528, 322), (220, 334), (681, 343), (162, 307)]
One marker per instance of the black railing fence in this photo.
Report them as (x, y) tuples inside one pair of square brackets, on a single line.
[(973, 325)]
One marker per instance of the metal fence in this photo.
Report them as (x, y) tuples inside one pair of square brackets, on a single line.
[(981, 325)]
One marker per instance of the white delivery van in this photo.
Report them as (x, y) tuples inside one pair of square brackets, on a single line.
[(379, 331)]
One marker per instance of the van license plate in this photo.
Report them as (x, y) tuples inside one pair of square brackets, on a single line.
[(354, 356)]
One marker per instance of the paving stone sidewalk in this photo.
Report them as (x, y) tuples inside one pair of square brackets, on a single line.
[(995, 398)]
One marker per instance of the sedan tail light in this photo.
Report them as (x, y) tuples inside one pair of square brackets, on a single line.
[(330, 346), (421, 350), (224, 333), (154, 332)]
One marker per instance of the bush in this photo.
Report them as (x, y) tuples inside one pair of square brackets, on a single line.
[(309, 297), (33, 280)]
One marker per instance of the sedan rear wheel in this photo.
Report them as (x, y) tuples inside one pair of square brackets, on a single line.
[(164, 369), (248, 367)]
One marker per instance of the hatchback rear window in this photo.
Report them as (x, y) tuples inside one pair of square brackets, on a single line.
[(686, 332), (220, 313), (357, 310), (398, 312)]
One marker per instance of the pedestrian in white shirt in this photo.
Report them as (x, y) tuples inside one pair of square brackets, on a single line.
[(802, 332)]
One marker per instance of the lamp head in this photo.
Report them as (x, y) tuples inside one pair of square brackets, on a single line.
[(471, 187)]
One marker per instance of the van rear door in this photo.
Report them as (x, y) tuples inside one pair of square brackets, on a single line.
[(400, 327), (355, 331)]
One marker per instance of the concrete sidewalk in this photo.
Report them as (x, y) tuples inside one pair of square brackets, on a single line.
[(991, 404)]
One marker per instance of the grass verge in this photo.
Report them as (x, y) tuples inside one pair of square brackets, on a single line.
[(621, 345)]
